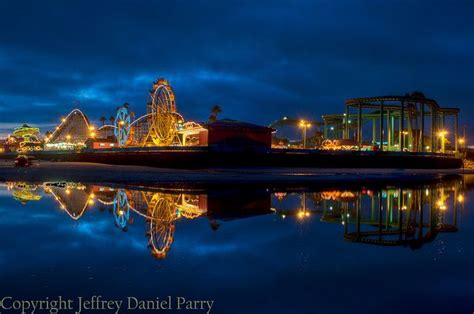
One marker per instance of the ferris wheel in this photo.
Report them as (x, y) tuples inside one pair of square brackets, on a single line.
[(163, 117), (121, 209), (122, 126), (160, 225)]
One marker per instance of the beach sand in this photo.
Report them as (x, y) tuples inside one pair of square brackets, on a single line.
[(91, 172)]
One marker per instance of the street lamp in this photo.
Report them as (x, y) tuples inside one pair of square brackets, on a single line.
[(462, 142), (442, 135), (304, 126)]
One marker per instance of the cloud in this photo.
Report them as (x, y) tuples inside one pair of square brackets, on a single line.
[(258, 60)]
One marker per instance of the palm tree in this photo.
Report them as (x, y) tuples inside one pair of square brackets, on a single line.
[(103, 119), (216, 109), (112, 120)]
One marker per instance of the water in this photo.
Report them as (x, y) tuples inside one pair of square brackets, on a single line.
[(256, 250)]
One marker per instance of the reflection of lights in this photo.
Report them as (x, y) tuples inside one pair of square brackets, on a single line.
[(441, 205), (461, 198), (283, 216), (348, 215), (404, 207), (300, 214), (332, 128), (427, 192)]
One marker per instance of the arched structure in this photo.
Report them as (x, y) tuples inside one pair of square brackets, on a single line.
[(162, 125), (73, 198), (72, 133), (396, 123), (122, 127)]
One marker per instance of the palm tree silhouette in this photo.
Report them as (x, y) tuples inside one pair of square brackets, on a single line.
[(103, 119), (216, 109)]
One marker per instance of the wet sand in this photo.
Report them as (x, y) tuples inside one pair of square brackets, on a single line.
[(91, 172)]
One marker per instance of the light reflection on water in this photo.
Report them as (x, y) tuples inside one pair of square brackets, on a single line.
[(371, 219)]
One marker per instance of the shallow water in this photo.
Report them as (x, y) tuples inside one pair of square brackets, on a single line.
[(363, 249)]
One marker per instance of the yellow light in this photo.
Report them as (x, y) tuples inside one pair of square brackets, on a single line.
[(461, 141), (307, 214), (63, 120), (68, 192), (461, 198), (122, 122), (92, 195), (442, 133), (92, 134), (91, 128), (308, 125), (283, 216), (301, 214), (120, 212), (68, 137), (91, 202)]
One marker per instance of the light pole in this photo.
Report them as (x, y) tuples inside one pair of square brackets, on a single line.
[(442, 135), (304, 126)]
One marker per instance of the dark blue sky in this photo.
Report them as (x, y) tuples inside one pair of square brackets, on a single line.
[(259, 61)]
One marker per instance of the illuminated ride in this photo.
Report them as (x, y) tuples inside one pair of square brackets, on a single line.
[(24, 192), (121, 209), (122, 126), (73, 198), (27, 139), (162, 125), (72, 133), (160, 210)]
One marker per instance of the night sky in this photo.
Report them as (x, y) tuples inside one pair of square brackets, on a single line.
[(258, 61)]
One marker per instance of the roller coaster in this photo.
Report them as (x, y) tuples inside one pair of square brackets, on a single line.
[(162, 125)]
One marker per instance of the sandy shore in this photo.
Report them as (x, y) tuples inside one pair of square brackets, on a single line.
[(91, 172)]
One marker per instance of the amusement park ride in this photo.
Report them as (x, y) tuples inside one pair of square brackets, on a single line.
[(386, 216), (162, 125), (411, 124)]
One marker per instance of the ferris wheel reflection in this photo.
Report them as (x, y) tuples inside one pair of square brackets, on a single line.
[(378, 215)]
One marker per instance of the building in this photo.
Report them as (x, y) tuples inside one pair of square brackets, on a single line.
[(239, 136)]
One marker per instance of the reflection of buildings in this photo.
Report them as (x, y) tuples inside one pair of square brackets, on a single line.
[(389, 216), (381, 216)]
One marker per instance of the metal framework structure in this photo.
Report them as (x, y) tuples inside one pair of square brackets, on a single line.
[(71, 133), (162, 125), (398, 123)]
